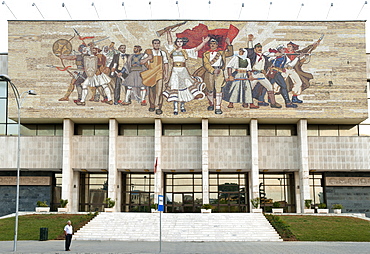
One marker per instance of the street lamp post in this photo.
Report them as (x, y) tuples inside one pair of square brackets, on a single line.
[(19, 99)]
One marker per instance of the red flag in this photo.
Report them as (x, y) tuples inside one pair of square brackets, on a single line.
[(155, 165), (196, 34)]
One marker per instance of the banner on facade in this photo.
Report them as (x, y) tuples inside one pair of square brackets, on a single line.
[(25, 180), (347, 181)]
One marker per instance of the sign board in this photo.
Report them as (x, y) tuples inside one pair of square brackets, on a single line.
[(160, 203)]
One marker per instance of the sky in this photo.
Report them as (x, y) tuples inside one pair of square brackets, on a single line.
[(292, 10)]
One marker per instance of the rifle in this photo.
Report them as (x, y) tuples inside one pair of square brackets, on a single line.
[(169, 28)]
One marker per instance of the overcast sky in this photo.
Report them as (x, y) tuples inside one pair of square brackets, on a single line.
[(181, 10)]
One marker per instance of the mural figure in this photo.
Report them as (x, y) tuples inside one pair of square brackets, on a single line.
[(118, 72), (296, 79), (79, 74), (156, 61), (133, 80), (214, 61), (96, 78), (260, 65), (182, 87), (238, 88), (102, 77), (278, 63)]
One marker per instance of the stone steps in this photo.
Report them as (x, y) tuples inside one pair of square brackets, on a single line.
[(178, 227)]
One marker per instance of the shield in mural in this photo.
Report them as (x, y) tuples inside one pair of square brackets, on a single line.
[(62, 47), (91, 65)]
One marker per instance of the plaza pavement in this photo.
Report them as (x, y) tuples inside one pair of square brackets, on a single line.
[(89, 247)]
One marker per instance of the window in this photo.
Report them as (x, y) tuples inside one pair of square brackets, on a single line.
[(316, 189), (136, 130), (278, 189), (93, 192), (228, 192), (137, 192), (183, 192), (277, 130), (3, 107), (228, 130), (42, 130), (182, 130), (327, 130), (92, 129)]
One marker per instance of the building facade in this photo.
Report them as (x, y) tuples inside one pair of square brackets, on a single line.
[(105, 139)]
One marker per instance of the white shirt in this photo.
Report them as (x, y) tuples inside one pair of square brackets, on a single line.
[(218, 63), (68, 229), (158, 53)]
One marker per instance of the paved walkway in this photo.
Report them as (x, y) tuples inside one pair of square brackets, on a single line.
[(188, 247)]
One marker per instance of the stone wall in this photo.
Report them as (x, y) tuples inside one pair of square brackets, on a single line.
[(337, 65), (28, 195), (355, 199)]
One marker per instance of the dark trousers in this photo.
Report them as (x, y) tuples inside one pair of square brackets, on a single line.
[(68, 241), (278, 79)]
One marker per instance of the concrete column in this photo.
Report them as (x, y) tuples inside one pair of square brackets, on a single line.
[(254, 175), (304, 185), (158, 175), (76, 189), (205, 169), (113, 174), (67, 171)]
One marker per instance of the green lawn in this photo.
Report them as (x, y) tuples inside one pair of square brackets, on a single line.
[(29, 225), (328, 228)]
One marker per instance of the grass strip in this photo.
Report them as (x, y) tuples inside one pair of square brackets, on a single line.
[(328, 228), (29, 225)]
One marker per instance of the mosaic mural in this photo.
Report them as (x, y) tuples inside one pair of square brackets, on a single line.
[(191, 69)]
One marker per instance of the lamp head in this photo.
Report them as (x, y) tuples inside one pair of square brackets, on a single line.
[(31, 92), (4, 77)]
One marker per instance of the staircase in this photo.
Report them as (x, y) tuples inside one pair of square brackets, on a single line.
[(178, 227)]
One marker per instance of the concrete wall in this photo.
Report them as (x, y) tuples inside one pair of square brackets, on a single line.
[(90, 152), (36, 152), (278, 153), (229, 153), (135, 152), (339, 153), (181, 152)]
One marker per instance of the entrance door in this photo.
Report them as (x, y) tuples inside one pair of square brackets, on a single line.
[(93, 192), (137, 192), (183, 193), (228, 193)]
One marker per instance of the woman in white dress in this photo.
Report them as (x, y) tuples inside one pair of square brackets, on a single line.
[(182, 87)]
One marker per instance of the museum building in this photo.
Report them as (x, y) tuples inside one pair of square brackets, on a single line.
[(317, 151)]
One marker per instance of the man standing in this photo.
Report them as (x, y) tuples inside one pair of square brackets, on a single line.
[(156, 61), (68, 231), (134, 81), (118, 71), (214, 61)]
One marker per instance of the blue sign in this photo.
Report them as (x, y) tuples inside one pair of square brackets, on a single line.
[(160, 203)]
